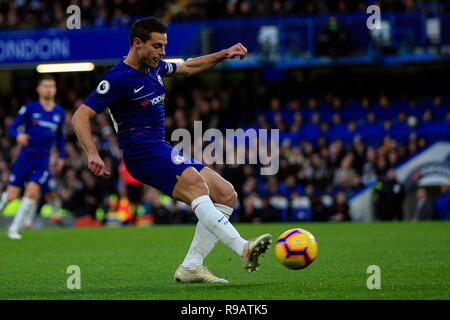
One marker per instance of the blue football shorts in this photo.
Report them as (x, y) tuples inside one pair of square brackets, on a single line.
[(27, 168), (157, 163)]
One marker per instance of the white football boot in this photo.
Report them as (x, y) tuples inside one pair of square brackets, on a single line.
[(201, 274), (14, 235), (253, 249)]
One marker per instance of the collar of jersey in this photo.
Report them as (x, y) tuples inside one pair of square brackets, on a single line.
[(128, 68)]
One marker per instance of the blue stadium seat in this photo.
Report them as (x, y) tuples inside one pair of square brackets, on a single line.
[(288, 116), (371, 133), (399, 132), (385, 113), (441, 111), (310, 131), (435, 130), (294, 138), (326, 115), (417, 111), (354, 113)]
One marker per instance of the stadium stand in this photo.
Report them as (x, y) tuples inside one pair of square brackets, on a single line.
[(328, 146)]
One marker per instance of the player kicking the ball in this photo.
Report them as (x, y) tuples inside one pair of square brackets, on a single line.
[(133, 91)]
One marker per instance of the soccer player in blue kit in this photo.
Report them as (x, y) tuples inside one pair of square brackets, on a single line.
[(43, 121), (133, 91)]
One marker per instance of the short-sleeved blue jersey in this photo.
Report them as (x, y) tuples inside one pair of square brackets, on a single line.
[(135, 101), (45, 129)]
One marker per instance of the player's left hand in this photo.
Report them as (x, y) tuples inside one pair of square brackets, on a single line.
[(237, 50), (97, 166), (60, 166)]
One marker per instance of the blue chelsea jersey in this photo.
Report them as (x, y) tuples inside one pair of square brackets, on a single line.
[(45, 129), (135, 101)]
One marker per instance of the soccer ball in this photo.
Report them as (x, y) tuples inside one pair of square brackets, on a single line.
[(296, 248)]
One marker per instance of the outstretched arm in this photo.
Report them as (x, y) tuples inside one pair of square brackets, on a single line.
[(82, 126), (22, 138), (198, 64)]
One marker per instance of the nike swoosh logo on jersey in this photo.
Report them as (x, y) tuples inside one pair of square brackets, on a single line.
[(137, 90), (221, 219)]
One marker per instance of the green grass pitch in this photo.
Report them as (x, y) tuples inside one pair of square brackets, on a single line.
[(138, 263)]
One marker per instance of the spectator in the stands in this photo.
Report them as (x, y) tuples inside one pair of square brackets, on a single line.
[(267, 212), (333, 40), (319, 211), (390, 195), (424, 208), (341, 209), (369, 175), (344, 176)]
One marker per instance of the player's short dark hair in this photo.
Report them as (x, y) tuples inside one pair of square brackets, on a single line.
[(45, 77), (143, 27)]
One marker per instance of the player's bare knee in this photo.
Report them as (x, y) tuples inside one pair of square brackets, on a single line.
[(32, 191), (13, 193), (12, 196), (230, 198), (228, 195)]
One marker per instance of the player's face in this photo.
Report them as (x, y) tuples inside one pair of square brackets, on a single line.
[(46, 89), (152, 50)]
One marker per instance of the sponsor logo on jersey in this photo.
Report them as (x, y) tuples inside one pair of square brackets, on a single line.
[(137, 90), (45, 124), (157, 99), (144, 103)]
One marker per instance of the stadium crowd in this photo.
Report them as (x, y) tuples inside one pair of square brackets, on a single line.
[(27, 14), (327, 151)]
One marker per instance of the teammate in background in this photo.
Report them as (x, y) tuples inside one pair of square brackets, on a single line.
[(133, 91), (43, 122)]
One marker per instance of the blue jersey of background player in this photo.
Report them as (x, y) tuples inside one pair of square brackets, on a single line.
[(133, 91), (43, 128), (37, 127)]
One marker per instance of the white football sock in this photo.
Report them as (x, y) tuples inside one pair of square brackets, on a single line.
[(26, 205), (29, 218), (56, 207), (204, 241), (214, 221), (3, 200)]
